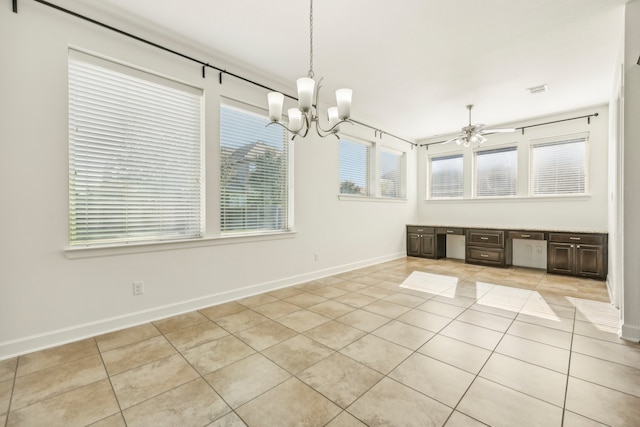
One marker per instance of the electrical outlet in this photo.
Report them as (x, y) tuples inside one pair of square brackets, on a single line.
[(138, 288)]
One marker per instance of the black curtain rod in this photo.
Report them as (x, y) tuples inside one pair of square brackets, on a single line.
[(205, 65), (522, 128)]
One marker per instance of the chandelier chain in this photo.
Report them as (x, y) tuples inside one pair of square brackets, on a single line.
[(311, 39)]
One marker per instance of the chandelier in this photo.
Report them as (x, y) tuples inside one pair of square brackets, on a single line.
[(301, 119)]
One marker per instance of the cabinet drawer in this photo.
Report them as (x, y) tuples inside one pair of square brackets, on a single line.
[(488, 238), (587, 239), (530, 235), (449, 230), (420, 230), (487, 256)]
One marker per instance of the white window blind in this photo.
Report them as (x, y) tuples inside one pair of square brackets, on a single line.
[(135, 171), (354, 168), (447, 176), (496, 172), (560, 166), (391, 167), (254, 173)]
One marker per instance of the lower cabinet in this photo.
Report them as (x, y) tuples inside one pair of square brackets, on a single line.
[(575, 254), (487, 247), (424, 242)]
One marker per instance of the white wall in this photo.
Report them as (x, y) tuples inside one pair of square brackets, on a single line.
[(631, 176), (584, 213), (49, 295)]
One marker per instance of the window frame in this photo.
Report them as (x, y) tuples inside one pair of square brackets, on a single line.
[(262, 114), (132, 174), (370, 159), (510, 147), (401, 171), (561, 140), (445, 156)]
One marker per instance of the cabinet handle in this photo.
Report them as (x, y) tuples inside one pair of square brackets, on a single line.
[(449, 231), (574, 238), (421, 230), (484, 238), (484, 255), (525, 235)]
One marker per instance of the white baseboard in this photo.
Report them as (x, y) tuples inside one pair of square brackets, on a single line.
[(630, 333), (9, 349)]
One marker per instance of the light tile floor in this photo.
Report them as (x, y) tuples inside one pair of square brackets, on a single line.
[(483, 346)]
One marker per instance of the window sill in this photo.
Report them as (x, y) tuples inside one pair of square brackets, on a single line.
[(518, 199), (79, 252), (351, 198)]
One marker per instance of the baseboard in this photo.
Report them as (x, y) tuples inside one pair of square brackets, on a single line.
[(630, 333), (9, 349)]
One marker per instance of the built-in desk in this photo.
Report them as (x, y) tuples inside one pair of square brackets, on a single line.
[(568, 253)]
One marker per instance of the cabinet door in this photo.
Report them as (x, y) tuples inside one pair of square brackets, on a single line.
[(413, 244), (428, 245), (560, 258), (589, 261)]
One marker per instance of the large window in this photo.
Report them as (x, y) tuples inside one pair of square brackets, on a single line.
[(254, 172), (560, 166), (135, 165), (391, 173), (354, 167), (446, 176), (496, 172)]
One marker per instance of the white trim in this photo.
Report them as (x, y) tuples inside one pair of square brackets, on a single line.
[(78, 252), (9, 349), (630, 333), (352, 198)]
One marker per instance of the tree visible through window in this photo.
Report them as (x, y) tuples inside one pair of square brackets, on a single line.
[(254, 162), (134, 155), (354, 168)]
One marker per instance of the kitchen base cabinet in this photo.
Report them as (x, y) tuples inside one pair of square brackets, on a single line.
[(425, 243), (487, 247), (577, 254)]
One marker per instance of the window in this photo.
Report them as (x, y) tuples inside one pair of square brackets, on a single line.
[(391, 173), (254, 172), (560, 166), (135, 150), (354, 168), (496, 172), (446, 176)]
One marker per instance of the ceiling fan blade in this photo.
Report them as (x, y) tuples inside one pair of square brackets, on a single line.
[(450, 140), (498, 130)]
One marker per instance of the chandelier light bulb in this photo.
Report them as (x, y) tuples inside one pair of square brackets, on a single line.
[(332, 112), (306, 88), (343, 97), (276, 100), (295, 120)]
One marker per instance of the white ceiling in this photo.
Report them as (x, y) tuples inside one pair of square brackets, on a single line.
[(413, 65)]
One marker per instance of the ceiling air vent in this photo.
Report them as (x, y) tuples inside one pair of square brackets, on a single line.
[(538, 89)]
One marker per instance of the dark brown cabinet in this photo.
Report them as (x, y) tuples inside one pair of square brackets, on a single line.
[(577, 254), (487, 247), (574, 254), (424, 242)]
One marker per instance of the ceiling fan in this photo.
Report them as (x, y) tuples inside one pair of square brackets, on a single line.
[(474, 134)]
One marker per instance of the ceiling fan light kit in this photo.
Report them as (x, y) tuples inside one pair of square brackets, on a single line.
[(301, 119), (474, 134)]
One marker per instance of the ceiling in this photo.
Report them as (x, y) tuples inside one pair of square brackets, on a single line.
[(413, 65)]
